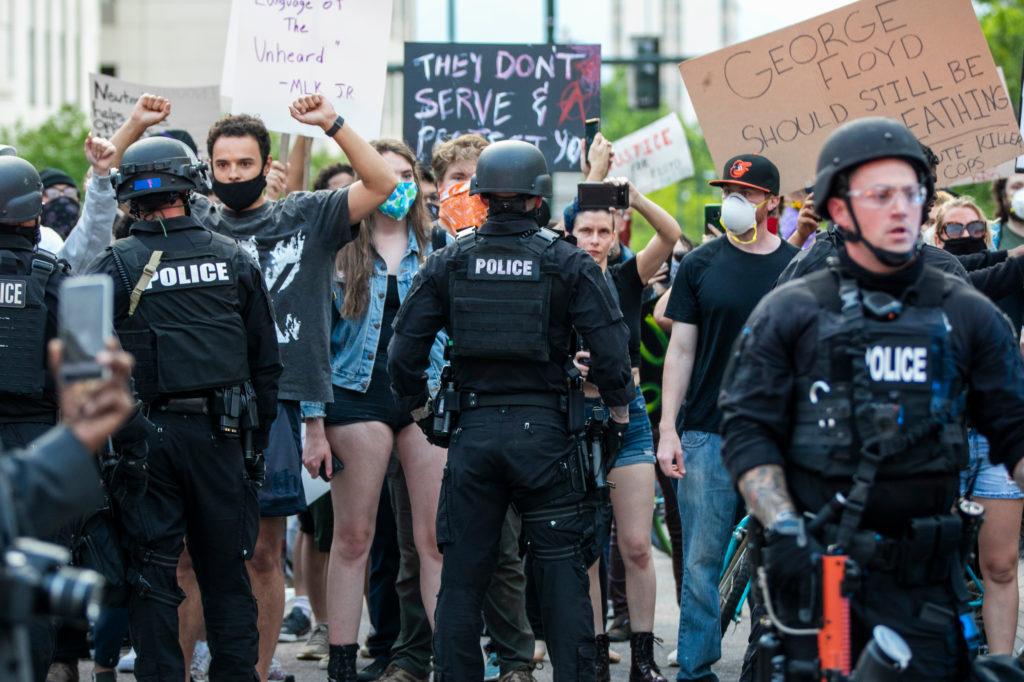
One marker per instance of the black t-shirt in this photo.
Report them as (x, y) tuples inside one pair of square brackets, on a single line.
[(391, 305), (716, 289), (654, 343), (631, 291)]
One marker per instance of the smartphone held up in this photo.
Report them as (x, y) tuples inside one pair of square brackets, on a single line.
[(86, 320)]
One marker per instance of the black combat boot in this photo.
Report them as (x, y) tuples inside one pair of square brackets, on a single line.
[(342, 664), (643, 668), (601, 661)]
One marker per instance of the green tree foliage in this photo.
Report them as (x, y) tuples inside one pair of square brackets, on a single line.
[(685, 200), (1002, 22), (56, 142)]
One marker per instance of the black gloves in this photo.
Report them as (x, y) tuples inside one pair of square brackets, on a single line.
[(615, 436), (424, 417), (789, 552)]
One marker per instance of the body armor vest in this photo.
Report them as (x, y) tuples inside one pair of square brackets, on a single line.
[(23, 314), (187, 333), (909, 399), (500, 296)]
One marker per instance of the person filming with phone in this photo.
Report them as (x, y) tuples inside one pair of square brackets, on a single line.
[(192, 307)]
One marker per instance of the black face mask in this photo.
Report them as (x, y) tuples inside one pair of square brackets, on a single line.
[(965, 246), (61, 214), (239, 196)]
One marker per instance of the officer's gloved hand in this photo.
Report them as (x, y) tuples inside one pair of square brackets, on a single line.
[(616, 436), (789, 553), (424, 418), (256, 469)]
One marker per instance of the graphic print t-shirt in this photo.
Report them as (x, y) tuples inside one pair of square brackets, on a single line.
[(295, 241)]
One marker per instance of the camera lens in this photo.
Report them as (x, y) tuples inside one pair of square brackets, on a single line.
[(73, 593)]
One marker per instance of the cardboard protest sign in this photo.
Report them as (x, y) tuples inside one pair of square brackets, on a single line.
[(539, 93), (922, 62), (1020, 117), (192, 109), (654, 156), (279, 50)]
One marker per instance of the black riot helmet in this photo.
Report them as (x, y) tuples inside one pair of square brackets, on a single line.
[(21, 191), (857, 143), (159, 165), (511, 166)]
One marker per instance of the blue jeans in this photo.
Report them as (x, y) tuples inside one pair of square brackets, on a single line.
[(707, 509)]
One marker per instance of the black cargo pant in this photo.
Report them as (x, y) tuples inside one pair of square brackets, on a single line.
[(498, 456), (504, 607), (42, 632), (197, 488)]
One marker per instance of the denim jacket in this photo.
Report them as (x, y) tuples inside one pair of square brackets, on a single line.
[(354, 342)]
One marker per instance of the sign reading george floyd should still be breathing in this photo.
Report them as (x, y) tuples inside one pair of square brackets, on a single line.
[(922, 62), (542, 94)]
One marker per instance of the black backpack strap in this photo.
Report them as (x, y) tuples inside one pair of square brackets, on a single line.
[(824, 284)]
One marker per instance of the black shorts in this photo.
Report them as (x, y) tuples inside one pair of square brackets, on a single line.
[(376, 405), (318, 521)]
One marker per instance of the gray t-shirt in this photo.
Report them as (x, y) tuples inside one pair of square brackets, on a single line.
[(295, 240)]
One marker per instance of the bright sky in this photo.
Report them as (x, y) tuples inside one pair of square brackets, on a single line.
[(588, 21)]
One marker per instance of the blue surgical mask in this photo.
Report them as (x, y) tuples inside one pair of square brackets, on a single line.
[(398, 204)]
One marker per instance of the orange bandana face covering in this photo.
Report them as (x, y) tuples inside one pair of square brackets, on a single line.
[(459, 210)]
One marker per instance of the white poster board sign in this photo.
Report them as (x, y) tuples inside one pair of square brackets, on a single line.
[(654, 156), (192, 109), (280, 50)]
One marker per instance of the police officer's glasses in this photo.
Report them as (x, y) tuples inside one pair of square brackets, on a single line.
[(882, 196), (975, 228)]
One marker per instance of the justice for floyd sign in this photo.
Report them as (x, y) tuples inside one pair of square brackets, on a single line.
[(542, 94), (922, 62)]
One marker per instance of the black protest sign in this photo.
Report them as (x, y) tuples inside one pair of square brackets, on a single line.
[(922, 62), (542, 94)]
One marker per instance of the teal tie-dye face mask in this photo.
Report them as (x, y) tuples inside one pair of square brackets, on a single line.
[(398, 204)]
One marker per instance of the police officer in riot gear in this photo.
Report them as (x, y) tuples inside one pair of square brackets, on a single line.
[(509, 294), (192, 307), (857, 380), (30, 280)]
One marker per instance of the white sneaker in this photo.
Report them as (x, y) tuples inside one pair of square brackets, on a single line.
[(200, 668), (673, 659), (127, 662)]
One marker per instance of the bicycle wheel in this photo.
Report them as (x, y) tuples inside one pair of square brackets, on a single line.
[(733, 585)]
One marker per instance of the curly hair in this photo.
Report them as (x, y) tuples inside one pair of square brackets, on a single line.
[(355, 260), (240, 125), (462, 148)]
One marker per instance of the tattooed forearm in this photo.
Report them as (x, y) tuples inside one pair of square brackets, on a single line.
[(764, 490)]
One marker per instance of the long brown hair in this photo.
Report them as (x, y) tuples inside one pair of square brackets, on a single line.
[(355, 260)]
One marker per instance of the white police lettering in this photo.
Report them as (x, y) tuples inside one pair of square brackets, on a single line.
[(12, 293), (190, 275), (504, 266), (898, 364)]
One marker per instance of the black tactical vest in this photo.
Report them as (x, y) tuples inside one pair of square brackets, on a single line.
[(499, 291), (912, 387), (187, 333), (23, 314)]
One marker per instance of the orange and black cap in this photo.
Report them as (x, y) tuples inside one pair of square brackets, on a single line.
[(750, 170)]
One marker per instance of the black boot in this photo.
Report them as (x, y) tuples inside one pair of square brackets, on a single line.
[(601, 661), (342, 664), (643, 668)]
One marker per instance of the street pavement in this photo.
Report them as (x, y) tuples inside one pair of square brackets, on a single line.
[(666, 622)]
